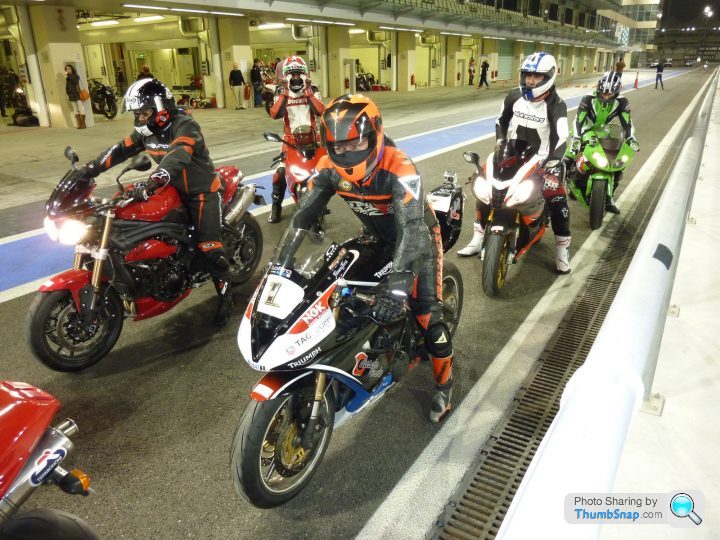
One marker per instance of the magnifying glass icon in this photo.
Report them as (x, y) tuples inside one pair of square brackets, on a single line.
[(682, 506)]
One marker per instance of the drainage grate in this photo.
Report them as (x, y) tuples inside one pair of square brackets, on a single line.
[(478, 507)]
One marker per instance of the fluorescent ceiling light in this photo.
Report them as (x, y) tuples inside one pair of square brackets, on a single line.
[(226, 13), (400, 29), (145, 7), (321, 22), (109, 22), (148, 18), (270, 26), (298, 20), (356, 31), (345, 24), (525, 40), (184, 10)]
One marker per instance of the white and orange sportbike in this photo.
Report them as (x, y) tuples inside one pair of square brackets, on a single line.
[(309, 326)]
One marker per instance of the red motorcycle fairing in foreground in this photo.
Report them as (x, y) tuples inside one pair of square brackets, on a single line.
[(30, 455), (136, 259)]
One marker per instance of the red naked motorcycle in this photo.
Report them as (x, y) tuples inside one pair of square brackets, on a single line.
[(132, 259), (30, 455), (299, 160)]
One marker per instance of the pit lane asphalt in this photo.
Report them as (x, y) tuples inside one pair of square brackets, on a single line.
[(157, 415)]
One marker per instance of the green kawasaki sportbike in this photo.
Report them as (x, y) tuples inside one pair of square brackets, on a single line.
[(603, 154)]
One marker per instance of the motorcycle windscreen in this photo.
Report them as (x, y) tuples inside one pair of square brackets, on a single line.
[(71, 196)]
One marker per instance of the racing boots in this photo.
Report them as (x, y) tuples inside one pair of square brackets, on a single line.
[(562, 254), (476, 244), (610, 205), (440, 405), (224, 303)]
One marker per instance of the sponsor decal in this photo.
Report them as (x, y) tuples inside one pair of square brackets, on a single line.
[(154, 146), (297, 101), (362, 364), (531, 117), (344, 185), (45, 464), (384, 270), (305, 359), (280, 271), (313, 313), (331, 251), (411, 184), (369, 209), (340, 270)]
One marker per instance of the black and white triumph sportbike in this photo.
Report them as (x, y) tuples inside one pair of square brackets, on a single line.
[(309, 327)]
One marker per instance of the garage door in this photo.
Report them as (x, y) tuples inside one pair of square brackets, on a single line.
[(505, 60)]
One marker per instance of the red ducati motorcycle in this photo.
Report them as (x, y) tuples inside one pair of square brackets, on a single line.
[(30, 455), (135, 259), (299, 161)]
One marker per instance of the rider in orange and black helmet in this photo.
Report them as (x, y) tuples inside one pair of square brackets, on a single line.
[(382, 186)]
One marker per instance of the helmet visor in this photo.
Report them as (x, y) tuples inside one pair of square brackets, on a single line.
[(353, 152)]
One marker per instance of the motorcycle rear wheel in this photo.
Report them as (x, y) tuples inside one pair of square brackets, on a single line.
[(268, 464), (244, 249), (61, 341), (597, 203), (452, 296), (45, 523), (495, 263)]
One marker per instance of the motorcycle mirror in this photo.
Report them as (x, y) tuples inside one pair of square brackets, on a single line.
[(141, 162), (273, 137), (472, 157), (71, 155)]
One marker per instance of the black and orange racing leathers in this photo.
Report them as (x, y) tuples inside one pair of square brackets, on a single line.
[(392, 206), (179, 150)]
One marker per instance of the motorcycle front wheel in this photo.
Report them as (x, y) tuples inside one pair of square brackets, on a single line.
[(495, 263), (268, 463), (243, 246), (44, 523), (62, 339), (597, 203), (452, 296), (110, 110)]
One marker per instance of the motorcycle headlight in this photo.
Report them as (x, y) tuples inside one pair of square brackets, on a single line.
[(69, 231), (620, 162), (599, 159), (521, 193), (482, 189)]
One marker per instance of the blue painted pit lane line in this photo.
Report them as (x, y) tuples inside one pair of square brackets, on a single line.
[(32, 258)]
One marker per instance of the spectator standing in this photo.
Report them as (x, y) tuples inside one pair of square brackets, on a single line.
[(483, 74), (145, 73), (72, 89), (471, 71), (3, 77), (237, 82), (120, 80), (257, 82), (658, 75), (278, 69)]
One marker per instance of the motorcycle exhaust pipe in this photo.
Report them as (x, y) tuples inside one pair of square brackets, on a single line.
[(241, 201), (52, 448)]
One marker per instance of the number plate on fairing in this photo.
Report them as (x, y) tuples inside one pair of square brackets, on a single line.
[(279, 297)]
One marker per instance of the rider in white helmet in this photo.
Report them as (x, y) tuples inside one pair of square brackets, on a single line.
[(535, 113)]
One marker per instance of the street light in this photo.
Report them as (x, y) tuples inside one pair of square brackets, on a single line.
[(707, 13)]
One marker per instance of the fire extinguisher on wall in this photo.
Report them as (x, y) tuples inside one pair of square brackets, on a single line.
[(458, 76), (246, 91), (347, 83), (412, 80)]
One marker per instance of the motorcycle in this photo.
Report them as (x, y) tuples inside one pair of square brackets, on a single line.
[(510, 191), (103, 99), (605, 153), (299, 163), (31, 452), (136, 259), (309, 326)]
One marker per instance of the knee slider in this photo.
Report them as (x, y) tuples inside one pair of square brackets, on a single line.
[(438, 341)]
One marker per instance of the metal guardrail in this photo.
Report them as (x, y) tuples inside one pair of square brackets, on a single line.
[(582, 448)]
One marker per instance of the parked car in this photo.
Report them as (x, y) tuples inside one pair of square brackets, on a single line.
[(653, 63), (689, 63), (668, 62)]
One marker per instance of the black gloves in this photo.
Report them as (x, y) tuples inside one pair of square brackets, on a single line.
[(91, 169), (390, 304)]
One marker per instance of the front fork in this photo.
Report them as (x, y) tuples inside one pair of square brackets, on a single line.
[(312, 425), (90, 294)]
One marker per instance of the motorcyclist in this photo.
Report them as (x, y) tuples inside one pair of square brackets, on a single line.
[(297, 102), (382, 186), (536, 114), (174, 140), (602, 107)]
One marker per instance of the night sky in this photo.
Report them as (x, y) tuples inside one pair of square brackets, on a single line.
[(685, 11)]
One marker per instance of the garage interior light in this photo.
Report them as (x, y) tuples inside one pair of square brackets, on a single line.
[(271, 26), (344, 23), (400, 29), (228, 14), (356, 31), (148, 18), (109, 22), (185, 10), (137, 6), (318, 21), (455, 34)]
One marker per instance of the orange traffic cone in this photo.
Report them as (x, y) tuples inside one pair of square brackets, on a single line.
[(637, 74)]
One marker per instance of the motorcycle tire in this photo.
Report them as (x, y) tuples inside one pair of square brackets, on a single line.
[(495, 264), (46, 523), (244, 248), (597, 203), (268, 464), (452, 296), (48, 339), (110, 110)]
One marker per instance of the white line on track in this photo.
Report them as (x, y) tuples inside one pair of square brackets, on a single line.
[(411, 509)]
